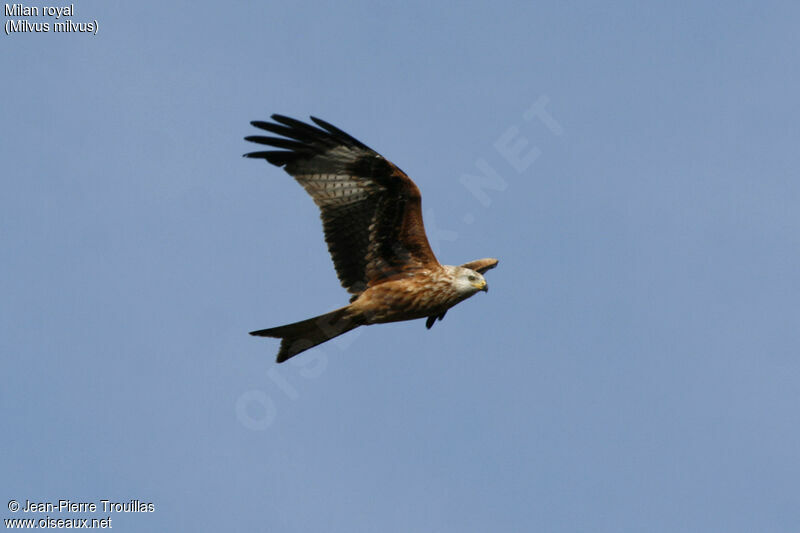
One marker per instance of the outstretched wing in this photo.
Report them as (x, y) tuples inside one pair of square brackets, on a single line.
[(481, 265), (371, 211)]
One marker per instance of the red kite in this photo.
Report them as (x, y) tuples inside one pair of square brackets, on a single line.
[(372, 218)]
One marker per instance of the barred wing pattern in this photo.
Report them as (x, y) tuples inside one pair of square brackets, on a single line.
[(371, 210)]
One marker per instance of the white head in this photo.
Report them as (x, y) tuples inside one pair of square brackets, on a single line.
[(467, 281)]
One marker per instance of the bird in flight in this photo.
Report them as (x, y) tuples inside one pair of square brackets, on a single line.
[(372, 217)]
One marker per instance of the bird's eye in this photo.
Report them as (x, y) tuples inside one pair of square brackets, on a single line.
[(472, 278)]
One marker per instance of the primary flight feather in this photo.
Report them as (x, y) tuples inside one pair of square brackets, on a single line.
[(372, 217)]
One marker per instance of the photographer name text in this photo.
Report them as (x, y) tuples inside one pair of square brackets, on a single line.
[(103, 506)]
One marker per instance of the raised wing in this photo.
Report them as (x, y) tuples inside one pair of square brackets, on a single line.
[(481, 265), (371, 211)]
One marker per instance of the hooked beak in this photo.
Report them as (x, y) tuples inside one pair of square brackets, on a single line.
[(484, 286)]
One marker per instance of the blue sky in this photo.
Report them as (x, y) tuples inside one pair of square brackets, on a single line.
[(633, 368)]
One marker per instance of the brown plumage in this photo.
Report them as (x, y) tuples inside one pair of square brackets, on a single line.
[(372, 218)]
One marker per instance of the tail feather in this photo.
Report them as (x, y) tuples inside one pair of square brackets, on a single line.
[(300, 336)]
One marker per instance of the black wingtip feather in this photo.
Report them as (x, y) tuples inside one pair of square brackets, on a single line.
[(277, 158), (301, 136), (339, 133), (297, 139)]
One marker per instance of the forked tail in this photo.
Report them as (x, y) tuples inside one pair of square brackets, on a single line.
[(301, 336)]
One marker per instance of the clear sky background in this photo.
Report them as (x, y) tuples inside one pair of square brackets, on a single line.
[(634, 367)]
